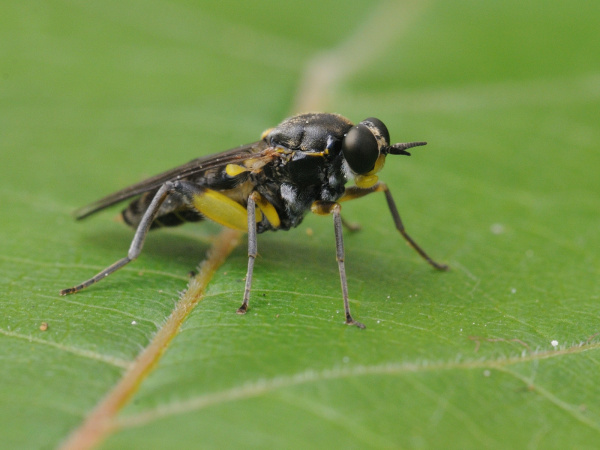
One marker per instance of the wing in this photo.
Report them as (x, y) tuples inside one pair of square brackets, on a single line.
[(255, 150)]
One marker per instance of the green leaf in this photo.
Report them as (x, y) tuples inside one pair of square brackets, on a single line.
[(502, 351)]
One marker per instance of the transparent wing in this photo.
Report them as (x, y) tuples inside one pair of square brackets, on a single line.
[(237, 155)]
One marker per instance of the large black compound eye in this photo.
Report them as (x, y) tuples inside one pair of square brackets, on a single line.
[(383, 131), (360, 149)]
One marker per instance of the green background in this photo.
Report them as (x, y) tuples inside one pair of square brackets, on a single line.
[(97, 95)]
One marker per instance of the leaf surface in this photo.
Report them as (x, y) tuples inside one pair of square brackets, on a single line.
[(502, 351)]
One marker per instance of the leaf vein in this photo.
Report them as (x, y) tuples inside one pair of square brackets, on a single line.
[(265, 386), (117, 362)]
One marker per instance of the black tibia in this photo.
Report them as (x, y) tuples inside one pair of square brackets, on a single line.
[(252, 251), (357, 192), (400, 228), (321, 207), (144, 226)]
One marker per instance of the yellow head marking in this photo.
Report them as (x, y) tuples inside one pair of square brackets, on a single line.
[(378, 165)]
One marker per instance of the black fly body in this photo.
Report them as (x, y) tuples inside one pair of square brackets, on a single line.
[(301, 165)]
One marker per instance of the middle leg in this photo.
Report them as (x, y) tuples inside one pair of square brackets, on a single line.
[(322, 208)]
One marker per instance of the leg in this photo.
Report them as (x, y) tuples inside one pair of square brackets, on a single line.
[(339, 248), (351, 226), (400, 228), (252, 251), (137, 243), (356, 192), (335, 208)]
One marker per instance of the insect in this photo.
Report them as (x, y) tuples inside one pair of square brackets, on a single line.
[(301, 165)]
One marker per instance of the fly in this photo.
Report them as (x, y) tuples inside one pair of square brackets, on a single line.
[(301, 165)]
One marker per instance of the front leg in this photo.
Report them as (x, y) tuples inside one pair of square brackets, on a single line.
[(322, 208), (357, 192)]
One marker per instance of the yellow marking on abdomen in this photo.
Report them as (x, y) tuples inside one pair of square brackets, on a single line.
[(233, 170), (221, 209), (268, 210)]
